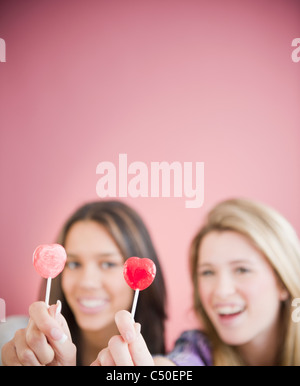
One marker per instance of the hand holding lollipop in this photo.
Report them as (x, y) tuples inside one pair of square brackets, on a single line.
[(139, 274), (130, 348), (49, 260)]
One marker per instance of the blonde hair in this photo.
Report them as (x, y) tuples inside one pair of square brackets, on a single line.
[(273, 235)]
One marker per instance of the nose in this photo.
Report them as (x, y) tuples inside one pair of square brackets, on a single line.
[(91, 277), (224, 285)]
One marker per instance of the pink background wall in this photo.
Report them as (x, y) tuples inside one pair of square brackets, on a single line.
[(84, 81)]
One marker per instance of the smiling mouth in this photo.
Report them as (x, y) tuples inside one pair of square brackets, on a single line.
[(91, 306), (92, 303), (229, 311)]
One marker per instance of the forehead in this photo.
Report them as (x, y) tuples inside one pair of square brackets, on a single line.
[(89, 235), (227, 247)]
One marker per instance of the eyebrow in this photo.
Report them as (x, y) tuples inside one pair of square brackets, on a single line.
[(238, 261), (99, 255)]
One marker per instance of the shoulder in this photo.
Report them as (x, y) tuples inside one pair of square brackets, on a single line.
[(192, 348), (9, 327)]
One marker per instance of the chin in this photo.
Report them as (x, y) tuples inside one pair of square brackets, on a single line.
[(234, 339), (93, 323)]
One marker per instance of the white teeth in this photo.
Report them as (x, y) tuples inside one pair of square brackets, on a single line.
[(91, 303), (229, 310)]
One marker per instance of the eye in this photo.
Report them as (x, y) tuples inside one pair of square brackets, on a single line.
[(72, 265), (206, 272), (107, 265), (241, 270)]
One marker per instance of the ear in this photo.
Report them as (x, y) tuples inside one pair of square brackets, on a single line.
[(283, 294)]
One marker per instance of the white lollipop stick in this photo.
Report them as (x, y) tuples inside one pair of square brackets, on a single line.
[(48, 288), (135, 299)]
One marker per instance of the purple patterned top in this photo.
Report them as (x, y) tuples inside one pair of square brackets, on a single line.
[(192, 348)]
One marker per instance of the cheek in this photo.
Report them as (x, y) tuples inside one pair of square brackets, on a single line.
[(262, 294), (67, 282), (261, 283), (119, 290), (125, 296), (205, 292), (258, 289)]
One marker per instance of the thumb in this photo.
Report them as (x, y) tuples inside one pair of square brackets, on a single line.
[(60, 340), (126, 326), (55, 311)]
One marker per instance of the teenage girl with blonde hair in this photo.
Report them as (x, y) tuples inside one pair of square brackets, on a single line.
[(245, 270)]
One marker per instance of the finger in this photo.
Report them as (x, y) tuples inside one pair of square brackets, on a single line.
[(104, 358), (139, 352), (48, 325), (119, 351), (24, 353), (55, 312), (65, 350), (130, 331), (125, 325), (38, 343), (56, 331), (9, 356)]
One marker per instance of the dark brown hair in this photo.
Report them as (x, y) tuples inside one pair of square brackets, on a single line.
[(130, 234)]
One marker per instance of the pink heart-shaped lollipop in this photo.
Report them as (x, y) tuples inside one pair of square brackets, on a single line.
[(139, 273), (49, 260)]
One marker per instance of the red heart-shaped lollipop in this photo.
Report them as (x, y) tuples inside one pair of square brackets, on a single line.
[(139, 273), (49, 260)]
